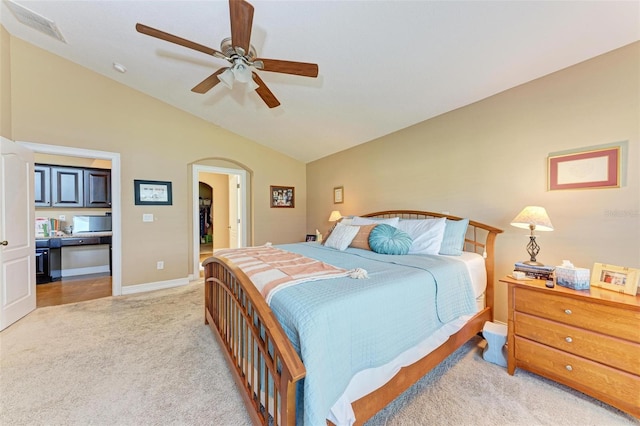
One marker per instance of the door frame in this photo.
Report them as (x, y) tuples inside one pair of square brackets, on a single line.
[(242, 175), (116, 221)]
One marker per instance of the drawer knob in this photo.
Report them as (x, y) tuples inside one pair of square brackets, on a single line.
[(568, 311), (568, 339), (568, 367)]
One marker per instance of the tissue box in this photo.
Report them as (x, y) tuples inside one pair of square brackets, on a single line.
[(574, 278)]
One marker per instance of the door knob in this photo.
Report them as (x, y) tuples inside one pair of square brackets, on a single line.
[(4, 243)]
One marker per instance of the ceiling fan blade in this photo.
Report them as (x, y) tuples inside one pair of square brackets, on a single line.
[(209, 82), (144, 29), (241, 14), (264, 92), (289, 67)]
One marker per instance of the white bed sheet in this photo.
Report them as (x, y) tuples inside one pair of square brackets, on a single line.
[(477, 270), (366, 381)]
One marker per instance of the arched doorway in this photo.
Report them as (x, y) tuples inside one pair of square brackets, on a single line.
[(230, 200)]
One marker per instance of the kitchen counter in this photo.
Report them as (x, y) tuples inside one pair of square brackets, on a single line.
[(79, 234), (49, 250)]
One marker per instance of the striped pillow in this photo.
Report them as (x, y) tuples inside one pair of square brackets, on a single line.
[(341, 236), (453, 240)]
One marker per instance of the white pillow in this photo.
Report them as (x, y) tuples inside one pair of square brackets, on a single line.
[(341, 236), (347, 221), (427, 234), (357, 220)]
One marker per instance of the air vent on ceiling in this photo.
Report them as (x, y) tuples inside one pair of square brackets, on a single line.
[(35, 21)]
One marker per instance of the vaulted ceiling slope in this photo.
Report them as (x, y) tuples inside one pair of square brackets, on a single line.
[(384, 65)]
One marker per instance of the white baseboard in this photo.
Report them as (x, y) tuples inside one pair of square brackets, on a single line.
[(84, 271), (158, 285)]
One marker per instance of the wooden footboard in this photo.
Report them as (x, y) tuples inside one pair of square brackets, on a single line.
[(264, 365), (263, 362)]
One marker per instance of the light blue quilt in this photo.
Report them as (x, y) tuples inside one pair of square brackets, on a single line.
[(344, 325)]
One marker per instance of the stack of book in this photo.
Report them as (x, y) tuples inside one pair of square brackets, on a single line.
[(533, 271)]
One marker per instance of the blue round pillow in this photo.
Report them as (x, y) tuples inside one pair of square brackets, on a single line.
[(386, 239)]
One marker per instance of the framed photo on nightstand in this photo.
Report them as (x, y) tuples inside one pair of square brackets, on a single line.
[(615, 278)]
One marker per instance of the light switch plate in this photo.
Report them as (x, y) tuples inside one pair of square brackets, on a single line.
[(147, 217)]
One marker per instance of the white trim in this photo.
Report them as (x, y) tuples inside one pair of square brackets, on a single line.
[(242, 174), (116, 215), (85, 271), (158, 285)]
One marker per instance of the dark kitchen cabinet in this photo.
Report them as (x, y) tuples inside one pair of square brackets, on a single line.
[(97, 188), (67, 187), (59, 186), (42, 190)]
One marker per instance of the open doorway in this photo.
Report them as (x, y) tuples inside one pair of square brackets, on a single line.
[(220, 214), (205, 213), (116, 241)]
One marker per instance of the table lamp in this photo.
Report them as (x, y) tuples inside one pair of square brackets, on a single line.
[(533, 218), (335, 216)]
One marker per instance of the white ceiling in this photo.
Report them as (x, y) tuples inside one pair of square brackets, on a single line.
[(384, 65)]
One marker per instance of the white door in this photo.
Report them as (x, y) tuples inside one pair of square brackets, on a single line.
[(17, 227), (234, 188)]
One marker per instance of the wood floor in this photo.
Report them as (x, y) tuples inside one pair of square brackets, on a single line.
[(85, 287), (73, 289)]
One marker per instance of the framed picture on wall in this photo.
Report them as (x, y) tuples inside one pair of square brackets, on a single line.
[(282, 196), (152, 193), (598, 168), (338, 195)]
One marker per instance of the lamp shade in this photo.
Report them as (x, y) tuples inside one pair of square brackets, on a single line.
[(227, 78), (533, 217), (335, 216)]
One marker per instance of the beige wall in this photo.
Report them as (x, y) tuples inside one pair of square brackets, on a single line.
[(488, 160), (76, 107), (5, 83), (64, 160)]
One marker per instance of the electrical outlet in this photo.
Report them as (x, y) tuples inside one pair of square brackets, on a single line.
[(62, 217), (147, 217), (160, 264)]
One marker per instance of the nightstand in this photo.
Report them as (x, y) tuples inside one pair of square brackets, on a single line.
[(588, 340)]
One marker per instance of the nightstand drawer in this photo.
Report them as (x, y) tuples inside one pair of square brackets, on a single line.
[(611, 351), (601, 318), (602, 381)]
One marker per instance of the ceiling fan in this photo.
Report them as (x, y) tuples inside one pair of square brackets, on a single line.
[(240, 54)]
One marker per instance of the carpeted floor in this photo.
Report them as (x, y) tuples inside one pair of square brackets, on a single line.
[(148, 359)]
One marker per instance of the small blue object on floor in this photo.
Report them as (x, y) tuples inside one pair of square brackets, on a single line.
[(496, 337)]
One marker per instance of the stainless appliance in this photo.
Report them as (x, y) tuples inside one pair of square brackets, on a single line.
[(87, 223)]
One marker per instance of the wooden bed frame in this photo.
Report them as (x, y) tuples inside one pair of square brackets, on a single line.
[(262, 359)]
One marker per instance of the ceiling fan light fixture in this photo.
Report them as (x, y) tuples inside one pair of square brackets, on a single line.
[(227, 78), (242, 72), (251, 86)]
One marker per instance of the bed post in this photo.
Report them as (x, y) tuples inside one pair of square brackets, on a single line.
[(490, 265)]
